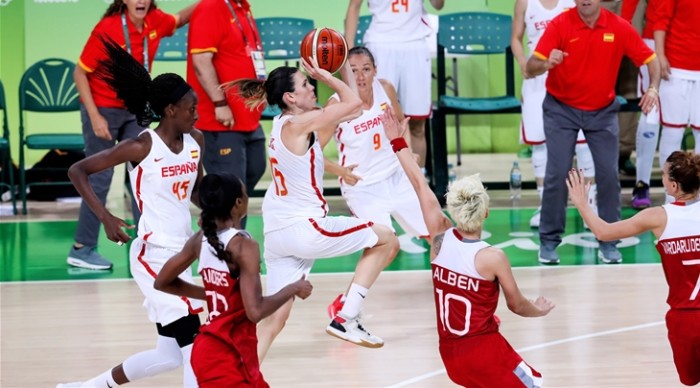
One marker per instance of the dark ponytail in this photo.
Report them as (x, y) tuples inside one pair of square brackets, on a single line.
[(143, 97), (257, 92), (217, 196)]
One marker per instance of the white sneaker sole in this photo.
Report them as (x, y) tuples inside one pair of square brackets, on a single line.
[(357, 341), (83, 264), (608, 261)]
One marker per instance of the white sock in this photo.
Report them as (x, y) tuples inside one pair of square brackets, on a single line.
[(539, 160), (647, 140), (353, 302), (188, 377), (671, 139), (102, 381), (584, 160)]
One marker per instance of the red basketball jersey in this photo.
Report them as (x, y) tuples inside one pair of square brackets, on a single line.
[(679, 247), (464, 301), (227, 319)]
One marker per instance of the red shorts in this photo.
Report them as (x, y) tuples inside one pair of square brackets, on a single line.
[(487, 361), (684, 336), (218, 364)]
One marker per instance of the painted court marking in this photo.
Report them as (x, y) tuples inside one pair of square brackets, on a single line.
[(540, 346)]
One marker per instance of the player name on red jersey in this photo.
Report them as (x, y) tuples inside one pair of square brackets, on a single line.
[(215, 277), (178, 169), (681, 245), (448, 277)]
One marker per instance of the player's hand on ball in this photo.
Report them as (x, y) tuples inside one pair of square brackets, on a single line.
[(315, 72)]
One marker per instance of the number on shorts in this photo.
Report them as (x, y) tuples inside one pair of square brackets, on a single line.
[(377, 140), (444, 307), (399, 3), (216, 310), (180, 189), (278, 178)]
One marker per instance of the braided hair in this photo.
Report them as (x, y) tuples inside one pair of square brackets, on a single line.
[(217, 196), (142, 96)]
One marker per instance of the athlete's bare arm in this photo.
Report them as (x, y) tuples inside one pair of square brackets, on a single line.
[(352, 16), (199, 138), (168, 280), (516, 37), (130, 150), (246, 254)]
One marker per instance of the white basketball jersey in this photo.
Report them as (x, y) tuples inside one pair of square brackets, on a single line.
[(537, 17), (362, 141), (162, 186), (397, 21), (296, 191)]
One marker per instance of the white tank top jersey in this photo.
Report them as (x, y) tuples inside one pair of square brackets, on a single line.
[(296, 191), (679, 247), (162, 185), (397, 21), (362, 141), (537, 17)]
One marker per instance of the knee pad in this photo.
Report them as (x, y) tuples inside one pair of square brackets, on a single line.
[(584, 160), (183, 330)]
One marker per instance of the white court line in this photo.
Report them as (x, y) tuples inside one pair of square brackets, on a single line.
[(540, 346)]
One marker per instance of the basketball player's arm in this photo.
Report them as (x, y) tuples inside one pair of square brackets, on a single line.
[(168, 280), (391, 93), (492, 263), (352, 16), (516, 37), (349, 107), (246, 253), (199, 138), (131, 150), (664, 12), (653, 219), (434, 218), (343, 172)]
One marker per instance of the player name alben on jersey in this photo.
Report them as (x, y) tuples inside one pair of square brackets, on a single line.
[(464, 282)]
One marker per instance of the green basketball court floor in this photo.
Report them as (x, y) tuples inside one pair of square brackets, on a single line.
[(37, 250)]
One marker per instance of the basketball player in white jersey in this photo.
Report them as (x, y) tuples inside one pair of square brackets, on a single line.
[(372, 181), (397, 36), (677, 229), (296, 226), (165, 170), (467, 277), (531, 17), (224, 352)]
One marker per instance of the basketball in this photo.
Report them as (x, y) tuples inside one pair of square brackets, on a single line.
[(328, 46)]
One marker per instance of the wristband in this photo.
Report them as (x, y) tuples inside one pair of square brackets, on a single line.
[(398, 144), (220, 103)]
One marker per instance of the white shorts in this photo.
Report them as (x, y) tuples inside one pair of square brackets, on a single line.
[(643, 79), (532, 126), (408, 67), (146, 261), (679, 99), (392, 197), (290, 252)]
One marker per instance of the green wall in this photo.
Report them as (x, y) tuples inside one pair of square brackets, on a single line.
[(31, 30)]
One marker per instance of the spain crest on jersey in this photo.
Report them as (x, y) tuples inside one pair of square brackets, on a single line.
[(194, 154)]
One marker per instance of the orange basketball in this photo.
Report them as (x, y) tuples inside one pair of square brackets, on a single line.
[(328, 47)]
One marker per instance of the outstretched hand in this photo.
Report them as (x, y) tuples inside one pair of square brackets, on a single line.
[(392, 127), (578, 188)]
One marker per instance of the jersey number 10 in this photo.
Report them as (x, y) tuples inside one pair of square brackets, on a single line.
[(444, 307)]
